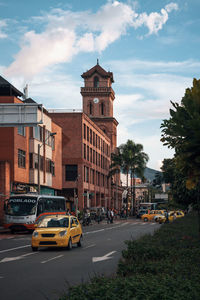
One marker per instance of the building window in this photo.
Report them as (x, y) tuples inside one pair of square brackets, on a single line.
[(53, 142), (84, 151), (30, 160), (86, 174), (38, 133), (96, 82), (90, 108), (21, 158), (48, 138), (90, 136), (88, 153), (84, 126), (94, 156), (102, 108), (52, 168), (21, 130), (91, 155), (71, 172), (41, 163), (93, 138), (87, 133), (48, 165)]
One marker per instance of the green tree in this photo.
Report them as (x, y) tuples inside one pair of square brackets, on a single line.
[(131, 159), (182, 133), (179, 194)]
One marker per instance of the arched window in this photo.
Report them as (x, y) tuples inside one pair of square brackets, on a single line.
[(90, 108), (102, 109), (96, 81)]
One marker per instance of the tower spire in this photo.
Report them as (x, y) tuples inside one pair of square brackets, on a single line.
[(97, 61)]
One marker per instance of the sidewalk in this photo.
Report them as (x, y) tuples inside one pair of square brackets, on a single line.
[(4, 230)]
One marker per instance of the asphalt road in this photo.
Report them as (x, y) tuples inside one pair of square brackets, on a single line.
[(46, 274)]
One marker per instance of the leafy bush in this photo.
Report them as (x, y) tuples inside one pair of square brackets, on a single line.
[(164, 266)]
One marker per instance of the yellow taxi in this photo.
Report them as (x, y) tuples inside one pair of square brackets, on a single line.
[(179, 214), (151, 215), (57, 231), (170, 218)]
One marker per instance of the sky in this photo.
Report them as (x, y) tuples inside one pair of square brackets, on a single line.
[(152, 48)]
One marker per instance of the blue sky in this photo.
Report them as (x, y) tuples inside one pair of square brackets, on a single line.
[(152, 48)]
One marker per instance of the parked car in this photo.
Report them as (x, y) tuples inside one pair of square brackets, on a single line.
[(150, 216), (57, 231)]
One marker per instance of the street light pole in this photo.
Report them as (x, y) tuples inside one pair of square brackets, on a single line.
[(39, 146), (39, 169)]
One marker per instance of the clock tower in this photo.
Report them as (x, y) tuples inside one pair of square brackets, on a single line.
[(98, 97)]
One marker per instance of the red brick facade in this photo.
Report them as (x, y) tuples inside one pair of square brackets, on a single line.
[(88, 148), (17, 147), (83, 142)]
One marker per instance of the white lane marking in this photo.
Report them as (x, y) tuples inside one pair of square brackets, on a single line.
[(109, 228), (7, 259), (93, 245), (95, 231), (101, 258), (45, 261), (11, 249)]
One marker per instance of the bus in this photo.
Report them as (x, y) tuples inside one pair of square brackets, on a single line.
[(148, 206), (21, 211)]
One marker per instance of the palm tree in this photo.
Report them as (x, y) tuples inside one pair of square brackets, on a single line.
[(136, 160), (131, 159)]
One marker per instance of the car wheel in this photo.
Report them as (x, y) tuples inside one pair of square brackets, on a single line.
[(80, 242), (34, 249), (145, 219), (69, 247)]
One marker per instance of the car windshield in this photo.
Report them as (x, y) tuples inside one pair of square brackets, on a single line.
[(50, 222)]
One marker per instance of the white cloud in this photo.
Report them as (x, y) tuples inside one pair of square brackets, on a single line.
[(155, 149), (151, 144), (149, 96), (126, 66), (155, 21), (52, 89), (68, 33), (3, 24), (171, 6)]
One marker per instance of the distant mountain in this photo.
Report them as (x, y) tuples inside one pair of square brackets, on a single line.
[(149, 174)]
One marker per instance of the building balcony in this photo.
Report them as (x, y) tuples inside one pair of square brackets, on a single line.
[(97, 90)]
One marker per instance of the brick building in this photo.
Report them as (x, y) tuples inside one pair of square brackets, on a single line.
[(85, 159), (89, 138), (75, 162), (19, 152)]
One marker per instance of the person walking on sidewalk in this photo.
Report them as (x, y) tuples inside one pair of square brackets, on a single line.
[(111, 215), (108, 215)]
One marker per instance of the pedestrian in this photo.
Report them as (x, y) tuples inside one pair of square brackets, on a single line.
[(98, 216), (108, 216), (111, 216)]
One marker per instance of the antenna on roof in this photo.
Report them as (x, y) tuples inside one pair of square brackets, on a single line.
[(26, 92), (97, 61)]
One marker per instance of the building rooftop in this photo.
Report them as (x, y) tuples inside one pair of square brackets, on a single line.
[(7, 89)]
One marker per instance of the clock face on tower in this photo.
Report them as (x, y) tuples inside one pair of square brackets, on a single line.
[(96, 100)]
